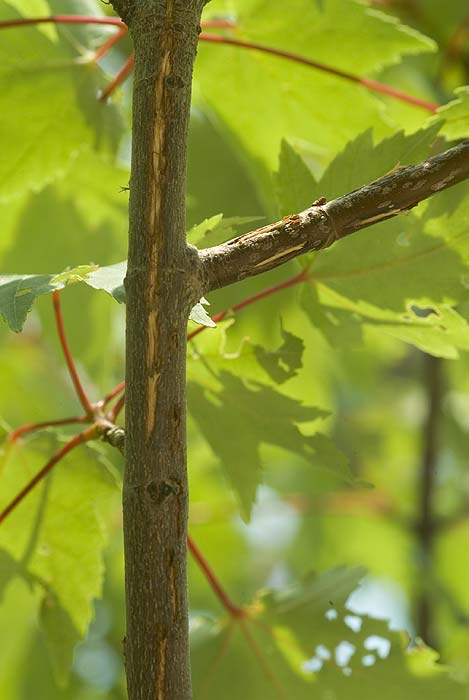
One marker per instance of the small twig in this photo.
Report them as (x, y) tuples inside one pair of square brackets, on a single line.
[(116, 409), (109, 396), (233, 609), (218, 24), (85, 402), (85, 19), (112, 41), (61, 19), (301, 277), (89, 434), (119, 78), (373, 85), (296, 279), (30, 427)]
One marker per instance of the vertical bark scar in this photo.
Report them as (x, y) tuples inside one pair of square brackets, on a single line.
[(161, 673), (152, 391), (159, 159), (173, 588), (151, 341), (153, 375), (159, 167)]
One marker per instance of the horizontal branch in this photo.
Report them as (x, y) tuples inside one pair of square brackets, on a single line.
[(323, 223)]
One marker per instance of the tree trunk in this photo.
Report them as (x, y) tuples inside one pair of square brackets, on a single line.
[(160, 290), (165, 277)]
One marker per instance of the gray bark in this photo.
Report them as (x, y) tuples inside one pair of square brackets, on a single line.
[(321, 225), (160, 292)]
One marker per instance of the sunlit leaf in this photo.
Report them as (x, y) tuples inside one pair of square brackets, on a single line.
[(56, 536), (456, 115), (200, 316), (263, 98), (18, 292), (54, 91)]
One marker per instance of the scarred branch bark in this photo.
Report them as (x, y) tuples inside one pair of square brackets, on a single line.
[(322, 224)]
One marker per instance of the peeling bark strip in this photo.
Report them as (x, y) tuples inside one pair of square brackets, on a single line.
[(322, 224), (159, 288)]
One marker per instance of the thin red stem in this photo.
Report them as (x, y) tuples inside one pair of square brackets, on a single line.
[(395, 93), (370, 84), (61, 19), (30, 427), (85, 19), (373, 85), (68, 356), (218, 24), (84, 436), (112, 41), (119, 78), (234, 610), (114, 392), (116, 409), (301, 277)]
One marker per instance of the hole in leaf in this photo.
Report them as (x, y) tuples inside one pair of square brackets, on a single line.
[(381, 645), (423, 311), (354, 622), (322, 652), (344, 652), (369, 660), (313, 665)]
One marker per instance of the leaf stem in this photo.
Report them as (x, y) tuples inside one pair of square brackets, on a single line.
[(85, 402), (373, 85), (107, 46), (118, 79), (218, 24), (86, 435), (234, 610), (62, 19), (88, 19), (116, 409), (301, 277), (109, 396), (30, 427), (296, 279), (113, 40)]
